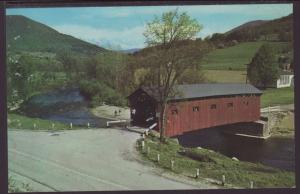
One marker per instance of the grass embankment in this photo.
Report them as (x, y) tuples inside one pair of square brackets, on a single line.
[(235, 57), (277, 96), (22, 122), (213, 165)]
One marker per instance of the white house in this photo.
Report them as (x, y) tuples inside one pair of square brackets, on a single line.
[(286, 79)]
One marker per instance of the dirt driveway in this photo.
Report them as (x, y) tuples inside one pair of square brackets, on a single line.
[(84, 160)]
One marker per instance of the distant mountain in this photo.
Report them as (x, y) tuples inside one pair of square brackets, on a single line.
[(250, 24), (284, 24), (280, 29), (24, 34), (131, 51)]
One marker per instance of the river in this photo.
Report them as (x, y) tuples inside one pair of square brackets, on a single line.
[(68, 105), (65, 105), (277, 152)]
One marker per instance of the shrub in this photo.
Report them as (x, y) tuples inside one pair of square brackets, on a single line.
[(98, 93), (196, 155)]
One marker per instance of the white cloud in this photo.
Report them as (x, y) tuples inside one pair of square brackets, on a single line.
[(119, 12), (127, 38), (249, 9)]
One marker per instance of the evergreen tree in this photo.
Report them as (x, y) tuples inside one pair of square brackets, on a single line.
[(263, 69)]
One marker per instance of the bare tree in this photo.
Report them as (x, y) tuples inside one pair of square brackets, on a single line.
[(172, 49)]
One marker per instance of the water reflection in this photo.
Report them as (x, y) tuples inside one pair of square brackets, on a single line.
[(67, 106), (276, 151)]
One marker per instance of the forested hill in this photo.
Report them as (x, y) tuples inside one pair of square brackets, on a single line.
[(40, 59), (280, 29), (24, 34), (247, 25)]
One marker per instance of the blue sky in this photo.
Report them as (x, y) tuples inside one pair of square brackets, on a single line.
[(124, 26)]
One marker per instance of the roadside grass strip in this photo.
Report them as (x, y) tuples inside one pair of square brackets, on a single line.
[(212, 165), (15, 187), (16, 121)]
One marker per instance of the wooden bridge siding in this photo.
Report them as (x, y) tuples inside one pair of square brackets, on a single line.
[(186, 120)]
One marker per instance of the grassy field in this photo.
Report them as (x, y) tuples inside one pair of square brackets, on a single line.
[(270, 97), (213, 165), (225, 76), (235, 57), (277, 96), (22, 122)]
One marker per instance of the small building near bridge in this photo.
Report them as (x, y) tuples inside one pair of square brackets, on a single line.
[(286, 79), (196, 106)]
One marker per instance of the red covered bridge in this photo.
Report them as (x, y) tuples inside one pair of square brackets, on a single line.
[(197, 106)]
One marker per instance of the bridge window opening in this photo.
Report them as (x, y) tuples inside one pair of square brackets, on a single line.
[(174, 112), (230, 105), (246, 103), (213, 106), (196, 109), (142, 98)]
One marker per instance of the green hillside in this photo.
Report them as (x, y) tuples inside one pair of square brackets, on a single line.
[(225, 76), (280, 29), (24, 34), (40, 59), (235, 57)]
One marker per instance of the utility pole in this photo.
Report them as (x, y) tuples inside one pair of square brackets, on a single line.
[(268, 119), (247, 73)]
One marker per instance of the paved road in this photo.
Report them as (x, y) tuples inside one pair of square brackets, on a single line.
[(84, 160)]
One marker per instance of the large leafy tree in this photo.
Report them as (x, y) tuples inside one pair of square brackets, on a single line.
[(263, 69), (171, 27), (171, 50), (20, 75)]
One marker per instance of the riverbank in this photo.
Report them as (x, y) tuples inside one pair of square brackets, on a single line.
[(283, 124), (111, 112), (212, 165)]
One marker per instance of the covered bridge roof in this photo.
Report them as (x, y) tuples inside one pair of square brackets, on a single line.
[(190, 91)]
